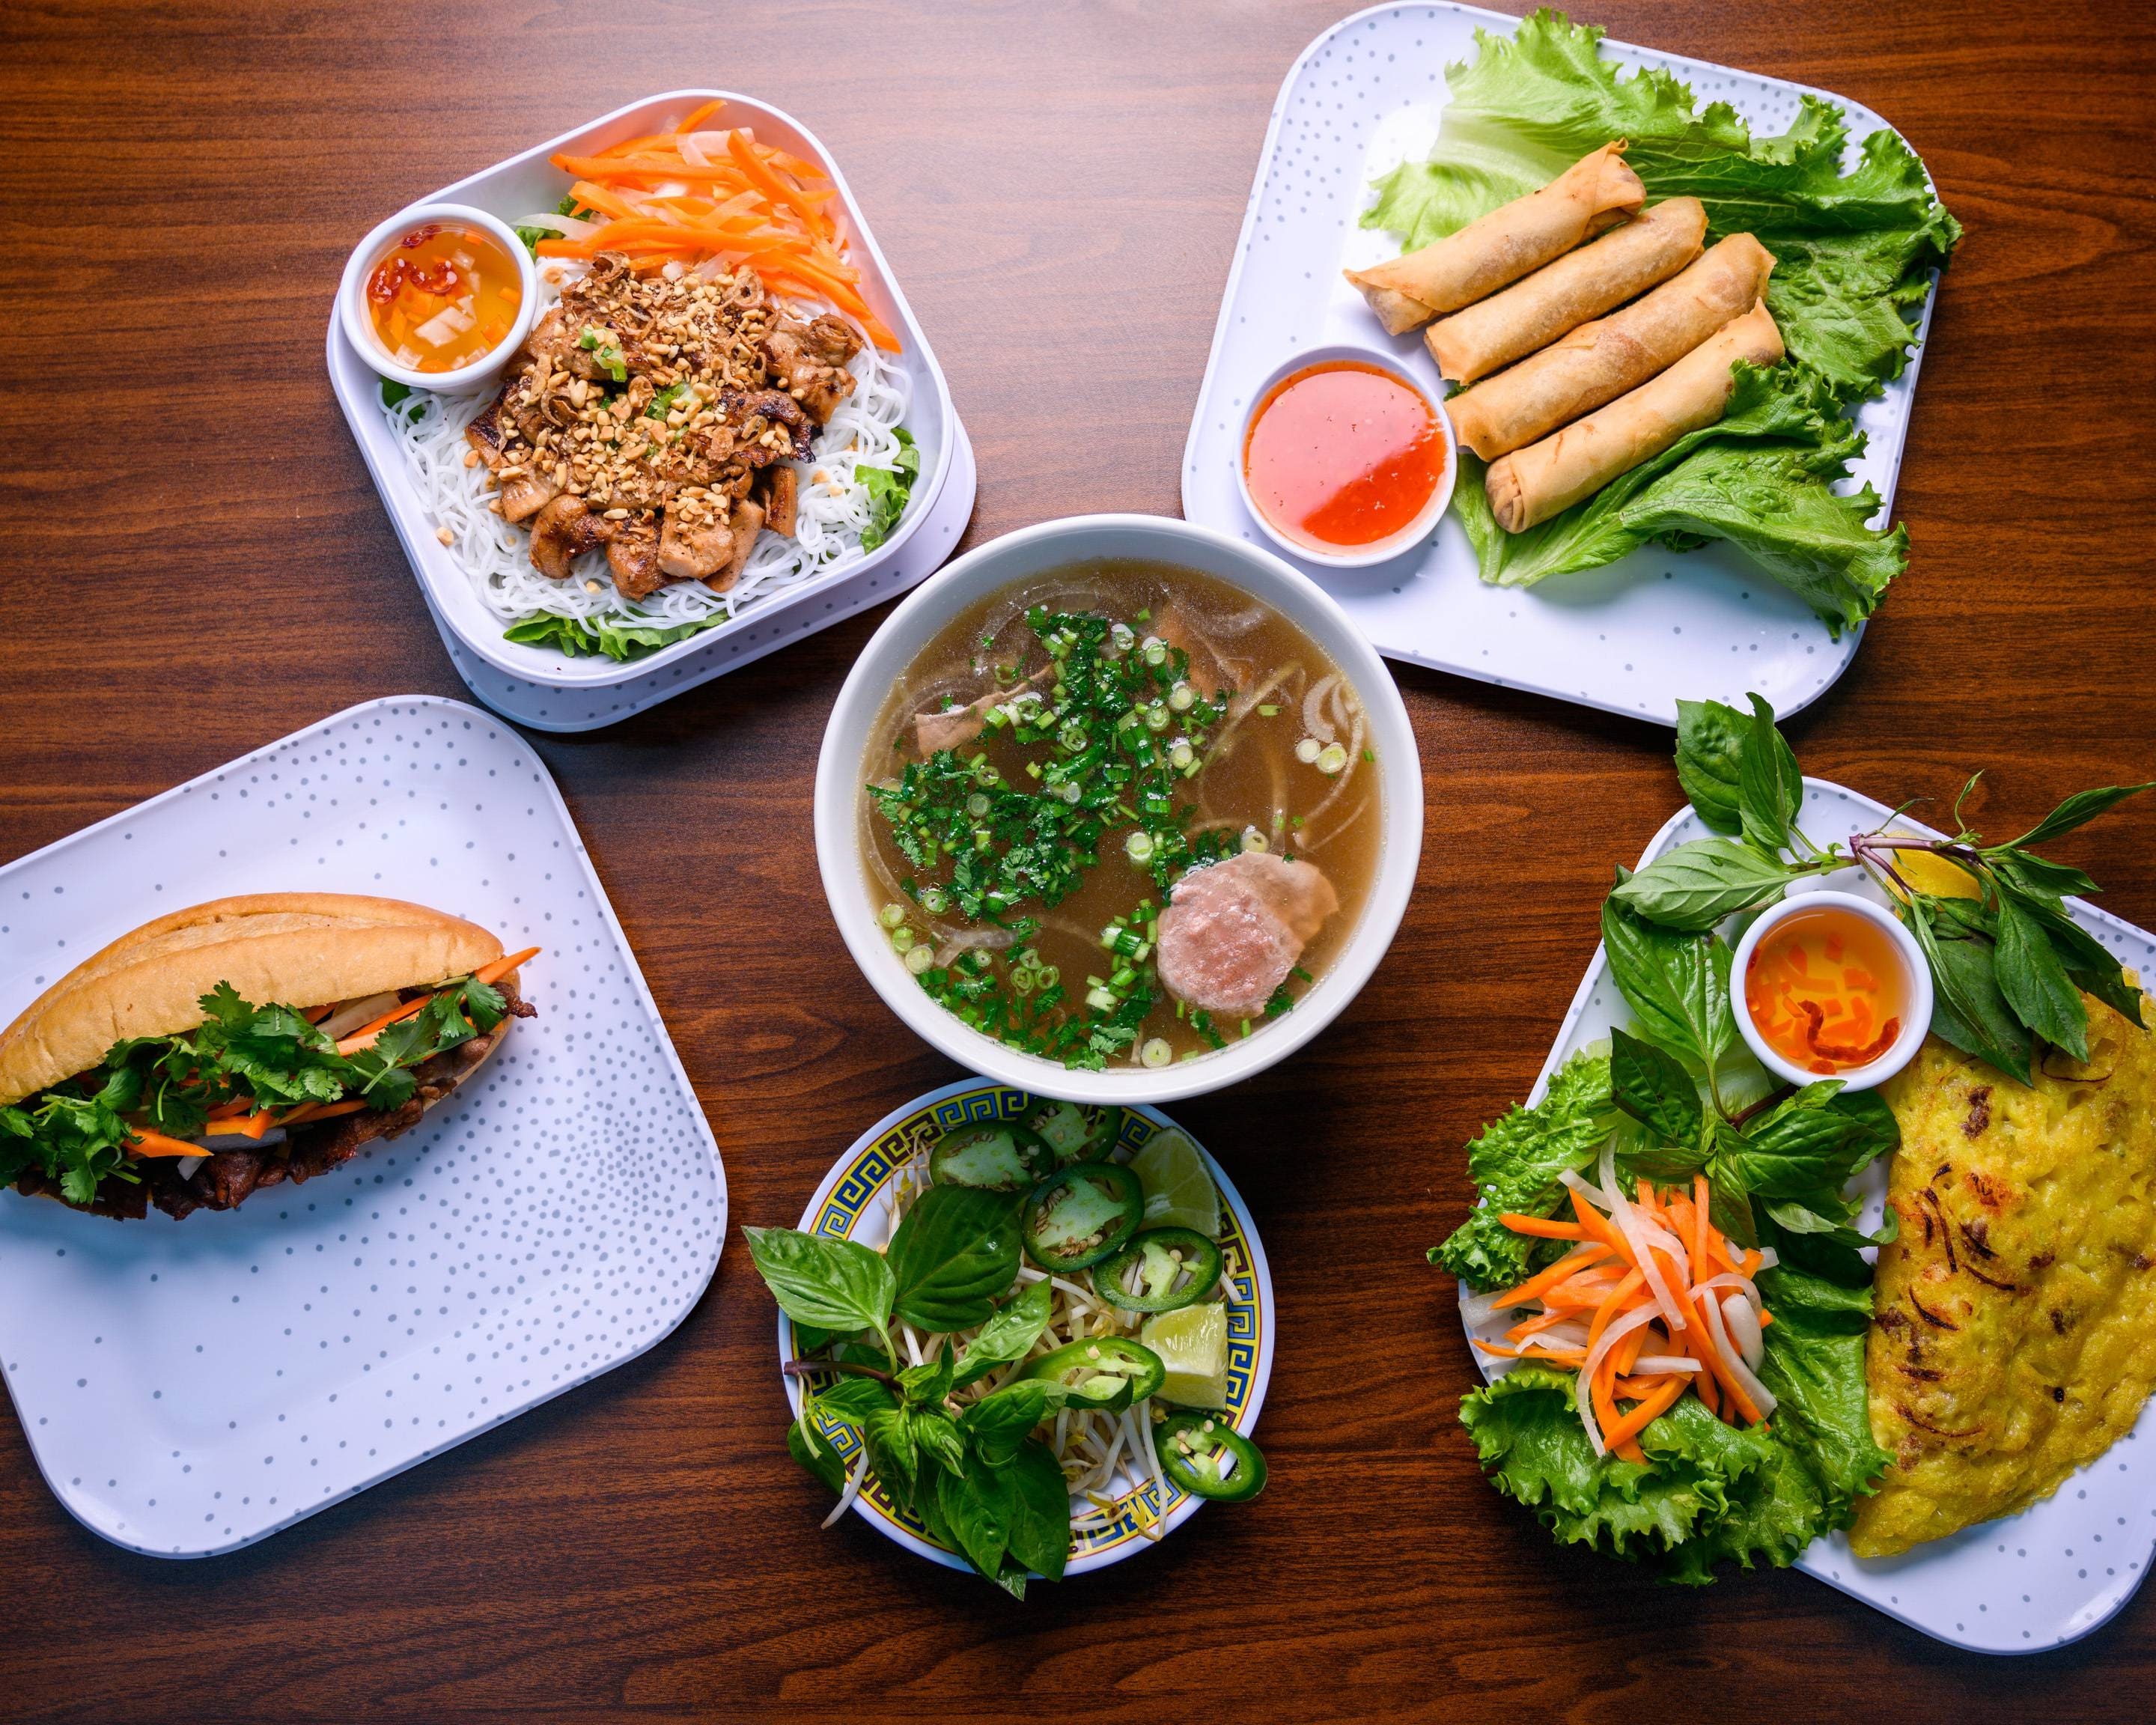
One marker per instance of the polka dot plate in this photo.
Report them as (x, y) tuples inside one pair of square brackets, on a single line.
[(1630, 638), (2061, 1568), (190, 1387), (851, 1205)]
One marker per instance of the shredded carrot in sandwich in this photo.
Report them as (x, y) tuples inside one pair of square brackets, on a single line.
[(495, 969)]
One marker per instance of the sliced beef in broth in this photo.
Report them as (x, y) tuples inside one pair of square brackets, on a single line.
[(1232, 931)]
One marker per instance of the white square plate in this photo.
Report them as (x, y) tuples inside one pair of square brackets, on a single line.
[(189, 1387), (2061, 1568), (1630, 638)]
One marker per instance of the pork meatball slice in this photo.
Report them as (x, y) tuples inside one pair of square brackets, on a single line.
[(1234, 930)]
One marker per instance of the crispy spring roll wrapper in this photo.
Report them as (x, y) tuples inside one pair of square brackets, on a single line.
[(1559, 297), (1533, 484), (1599, 361), (1595, 192)]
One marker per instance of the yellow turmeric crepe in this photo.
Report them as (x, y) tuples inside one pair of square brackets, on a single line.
[(2015, 1339)]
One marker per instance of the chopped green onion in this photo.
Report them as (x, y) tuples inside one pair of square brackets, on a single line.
[(893, 915), (1182, 697), (901, 939), (1333, 758), (1156, 1053), (1267, 710), (1139, 847), (1308, 750), (918, 959)]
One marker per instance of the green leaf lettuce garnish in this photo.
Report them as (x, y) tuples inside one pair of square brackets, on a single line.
[(1855, 252)]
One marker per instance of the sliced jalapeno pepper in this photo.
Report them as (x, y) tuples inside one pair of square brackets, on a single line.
[(998, 1155), (1079, 1215), (1078, 1134), (1209, 1458), (1162, 1271), (1108, 1372)]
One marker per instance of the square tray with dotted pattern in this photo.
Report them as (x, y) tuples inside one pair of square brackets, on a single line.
[(2063, 1566), (190, 1387), (1628, 637)]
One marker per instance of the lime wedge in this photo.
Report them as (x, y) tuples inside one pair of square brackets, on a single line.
[(1179, 1190), (1192, 1344)]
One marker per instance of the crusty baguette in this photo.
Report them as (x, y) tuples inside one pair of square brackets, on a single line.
[(294, 948)]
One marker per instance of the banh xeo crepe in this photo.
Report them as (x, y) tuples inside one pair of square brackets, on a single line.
[(2015, 1335), (1532, 313), (1531, 485), (1599, 361), (1855, 251), (1546, 222)]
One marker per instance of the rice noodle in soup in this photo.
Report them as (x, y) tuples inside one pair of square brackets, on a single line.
[(1120, 813)]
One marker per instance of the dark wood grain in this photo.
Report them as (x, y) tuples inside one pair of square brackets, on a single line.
[(200, 566)]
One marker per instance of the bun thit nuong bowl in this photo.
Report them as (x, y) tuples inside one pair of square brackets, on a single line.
[(1023, 556)]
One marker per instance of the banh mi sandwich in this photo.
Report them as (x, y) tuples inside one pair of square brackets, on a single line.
[(243, 1043)]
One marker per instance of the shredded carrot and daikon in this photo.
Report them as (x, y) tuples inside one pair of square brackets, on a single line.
[(1652, 1300), (693, 197)]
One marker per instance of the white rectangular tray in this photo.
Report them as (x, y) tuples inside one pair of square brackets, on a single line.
[(530, 181), (189, 1387), (2060, 1568), (1631, 638)]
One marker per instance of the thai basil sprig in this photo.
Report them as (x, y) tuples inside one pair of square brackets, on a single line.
[(2009, 963)]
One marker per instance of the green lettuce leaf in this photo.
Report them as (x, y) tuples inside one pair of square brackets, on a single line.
[(888, 489), (1529, 1435), (1515, 1165), (1814, 1366), (1854, 254), (1759, 478), (620, 642), (1709, 1493)]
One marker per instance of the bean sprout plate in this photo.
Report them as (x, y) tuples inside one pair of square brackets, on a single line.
[(1630, 638), (528, 182), (189, 1388), (2062, 1566), (849, 1206)]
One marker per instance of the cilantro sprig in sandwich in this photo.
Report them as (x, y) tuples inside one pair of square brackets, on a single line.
[(149, 1074)]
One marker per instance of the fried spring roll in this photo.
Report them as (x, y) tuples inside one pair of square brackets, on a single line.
[(1533, 484), (1597, 192), (1599, 361), (1559, 297)]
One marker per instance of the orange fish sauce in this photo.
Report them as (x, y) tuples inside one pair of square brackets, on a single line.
[(1827, 991), (1341, 455), (444, 295)]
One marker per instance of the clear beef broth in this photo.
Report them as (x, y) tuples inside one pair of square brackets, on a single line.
[(1282, 767)]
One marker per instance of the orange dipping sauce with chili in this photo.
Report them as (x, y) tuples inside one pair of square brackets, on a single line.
[(444, 295), (1342, 456), (1826, 991)]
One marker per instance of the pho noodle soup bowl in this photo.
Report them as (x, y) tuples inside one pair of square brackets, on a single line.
[(1305, 735), (1345, 462), (489, 297)]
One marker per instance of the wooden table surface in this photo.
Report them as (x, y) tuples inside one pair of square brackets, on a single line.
[(201, 566)]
